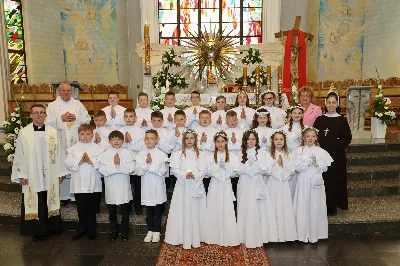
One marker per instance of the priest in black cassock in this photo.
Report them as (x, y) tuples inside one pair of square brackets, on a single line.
[(38, 169), (334, 136)]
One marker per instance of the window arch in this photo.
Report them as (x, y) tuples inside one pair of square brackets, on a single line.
[(179, 17), (15, 40)]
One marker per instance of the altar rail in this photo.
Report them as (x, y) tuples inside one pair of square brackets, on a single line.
[(93, 97)]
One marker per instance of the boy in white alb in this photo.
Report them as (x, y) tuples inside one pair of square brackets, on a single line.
[(218, 117), (85, 180), (244, 112), (206, 133), (152, 167), (169, 110), (235, 135), (192, 113), (101, 132), (176, 134), (114, 112), (134, 141), (164, 142), (116, 164), (143, 112)]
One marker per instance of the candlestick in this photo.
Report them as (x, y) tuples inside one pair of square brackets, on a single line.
[(258, 84), (245, 78), (147, 68), (269, 78), (280, 85)]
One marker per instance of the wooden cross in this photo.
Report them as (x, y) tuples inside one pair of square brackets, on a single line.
[(296, 26), (326, 131)]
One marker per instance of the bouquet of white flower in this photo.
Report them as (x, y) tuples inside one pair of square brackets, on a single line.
[(11, 127), (380, 107), (157, 103)]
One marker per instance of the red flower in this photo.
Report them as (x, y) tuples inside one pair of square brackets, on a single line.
[(14, 37)]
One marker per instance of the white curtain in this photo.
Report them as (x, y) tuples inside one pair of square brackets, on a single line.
[(271, 19), (4, 67)]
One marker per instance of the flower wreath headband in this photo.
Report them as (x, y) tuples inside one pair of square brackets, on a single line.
[(242, 92), (268, 91), (262, 113), (219, 134), (291, 108), (278, 131), (250, 131), (313, 128), (189, 131)]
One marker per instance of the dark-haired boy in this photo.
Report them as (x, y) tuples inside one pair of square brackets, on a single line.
[(116, 164)]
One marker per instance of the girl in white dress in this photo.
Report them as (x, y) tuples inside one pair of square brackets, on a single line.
[(310, 200), (256, 221), (281, 168), (221, 227), (244, 112), (293, 136), (187, 213), (262, 125)]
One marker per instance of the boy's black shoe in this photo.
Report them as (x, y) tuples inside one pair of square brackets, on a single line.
[(113, 237), (92, 235), (78, 235), (125, 237)]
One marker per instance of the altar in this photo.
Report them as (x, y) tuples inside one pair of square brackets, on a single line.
[(208, 100)]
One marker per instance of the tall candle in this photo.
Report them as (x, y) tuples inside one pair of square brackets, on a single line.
[(245, 78), (269, 78), (258, 84), (147, 68)]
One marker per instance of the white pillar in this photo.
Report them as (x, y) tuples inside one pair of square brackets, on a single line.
[(4, 67), (271, 19)]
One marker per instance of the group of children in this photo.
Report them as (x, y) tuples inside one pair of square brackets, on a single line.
[(242, 176)]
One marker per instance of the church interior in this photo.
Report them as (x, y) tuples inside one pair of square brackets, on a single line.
[(216, 47)]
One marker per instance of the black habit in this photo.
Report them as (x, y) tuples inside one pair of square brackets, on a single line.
[(334, 136)]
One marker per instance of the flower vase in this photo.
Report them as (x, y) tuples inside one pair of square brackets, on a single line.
[(378, 130)]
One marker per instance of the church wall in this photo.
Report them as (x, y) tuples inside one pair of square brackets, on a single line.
[(353, 37), (63, 44), (381, 39), (289, 10), (42, 24)]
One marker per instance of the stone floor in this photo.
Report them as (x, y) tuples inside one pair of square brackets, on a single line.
[(352, 250)]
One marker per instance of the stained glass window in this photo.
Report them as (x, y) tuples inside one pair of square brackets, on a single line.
[(240, 19), (15, 39)]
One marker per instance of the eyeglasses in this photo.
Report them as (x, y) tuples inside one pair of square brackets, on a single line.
[(305, 95), (38, 113)]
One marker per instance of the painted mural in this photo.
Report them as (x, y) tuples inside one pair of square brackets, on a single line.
[(341, 39), (89, 33)]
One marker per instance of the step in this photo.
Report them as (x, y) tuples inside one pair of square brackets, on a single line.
[(369, 188), (373, 172), (8, 186), (373, 158), (366, 215), (372, 147)]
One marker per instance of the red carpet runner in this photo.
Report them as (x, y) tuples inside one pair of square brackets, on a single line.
[(211, 255)]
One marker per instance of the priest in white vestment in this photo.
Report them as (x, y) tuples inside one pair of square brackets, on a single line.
[(39, 169), (66, 114)]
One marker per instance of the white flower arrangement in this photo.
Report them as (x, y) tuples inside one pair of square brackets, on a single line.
[(380, 107), (157, 103), (12, 126)]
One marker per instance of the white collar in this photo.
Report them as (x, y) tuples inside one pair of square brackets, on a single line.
[(66, 102), (332, 115)]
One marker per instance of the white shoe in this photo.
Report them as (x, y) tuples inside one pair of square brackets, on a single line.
[(156, 237), (148, 237)]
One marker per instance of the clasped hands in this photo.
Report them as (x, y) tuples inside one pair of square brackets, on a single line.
[(68, 117), (189, 175), (85, 159)]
